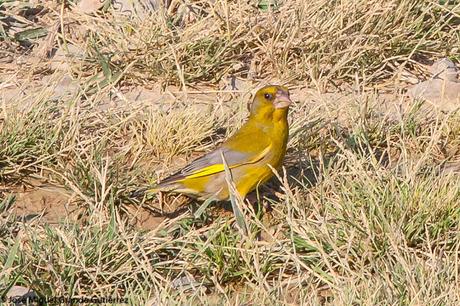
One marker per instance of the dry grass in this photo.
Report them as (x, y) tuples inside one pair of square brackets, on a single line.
[(366, 212)]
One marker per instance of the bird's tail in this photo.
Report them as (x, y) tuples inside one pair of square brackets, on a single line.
[(138, 193), (150, 190)]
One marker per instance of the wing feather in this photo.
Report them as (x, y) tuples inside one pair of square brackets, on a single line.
[(211, 163)]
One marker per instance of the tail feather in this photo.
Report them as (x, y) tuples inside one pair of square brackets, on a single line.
[(164, 186), (138, 193), (167, 187)]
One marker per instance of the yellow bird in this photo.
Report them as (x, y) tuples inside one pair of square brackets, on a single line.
[(249, 153)]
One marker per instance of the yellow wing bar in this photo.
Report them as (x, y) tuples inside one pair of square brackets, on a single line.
[(216, 168)]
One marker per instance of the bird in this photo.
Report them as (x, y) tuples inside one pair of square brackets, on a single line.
[(250, 153)]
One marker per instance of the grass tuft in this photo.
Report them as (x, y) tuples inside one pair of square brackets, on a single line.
[(365, 212)]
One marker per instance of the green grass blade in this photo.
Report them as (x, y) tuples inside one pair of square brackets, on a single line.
[(203, 207), (233, 198)]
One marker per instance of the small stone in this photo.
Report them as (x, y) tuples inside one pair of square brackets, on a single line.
[(185, 282), (443, 89), (89, 6), (437, 91), (444, 69), (20, 295)]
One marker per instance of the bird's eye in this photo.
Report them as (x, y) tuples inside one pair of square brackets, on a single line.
[(268, 96)]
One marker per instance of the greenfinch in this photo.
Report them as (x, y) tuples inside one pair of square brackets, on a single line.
[(249, 154)]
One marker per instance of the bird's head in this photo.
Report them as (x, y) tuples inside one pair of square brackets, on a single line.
[(270, 102)]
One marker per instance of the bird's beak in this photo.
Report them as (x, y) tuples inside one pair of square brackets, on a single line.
[(282, 100)]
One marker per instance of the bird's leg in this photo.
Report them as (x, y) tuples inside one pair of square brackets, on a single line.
[(252, 199)]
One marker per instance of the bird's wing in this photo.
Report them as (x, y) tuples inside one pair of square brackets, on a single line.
[(211, 163)]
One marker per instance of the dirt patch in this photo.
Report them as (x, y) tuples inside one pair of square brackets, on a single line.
[(55, 204), (52, 205), (143, 218)]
